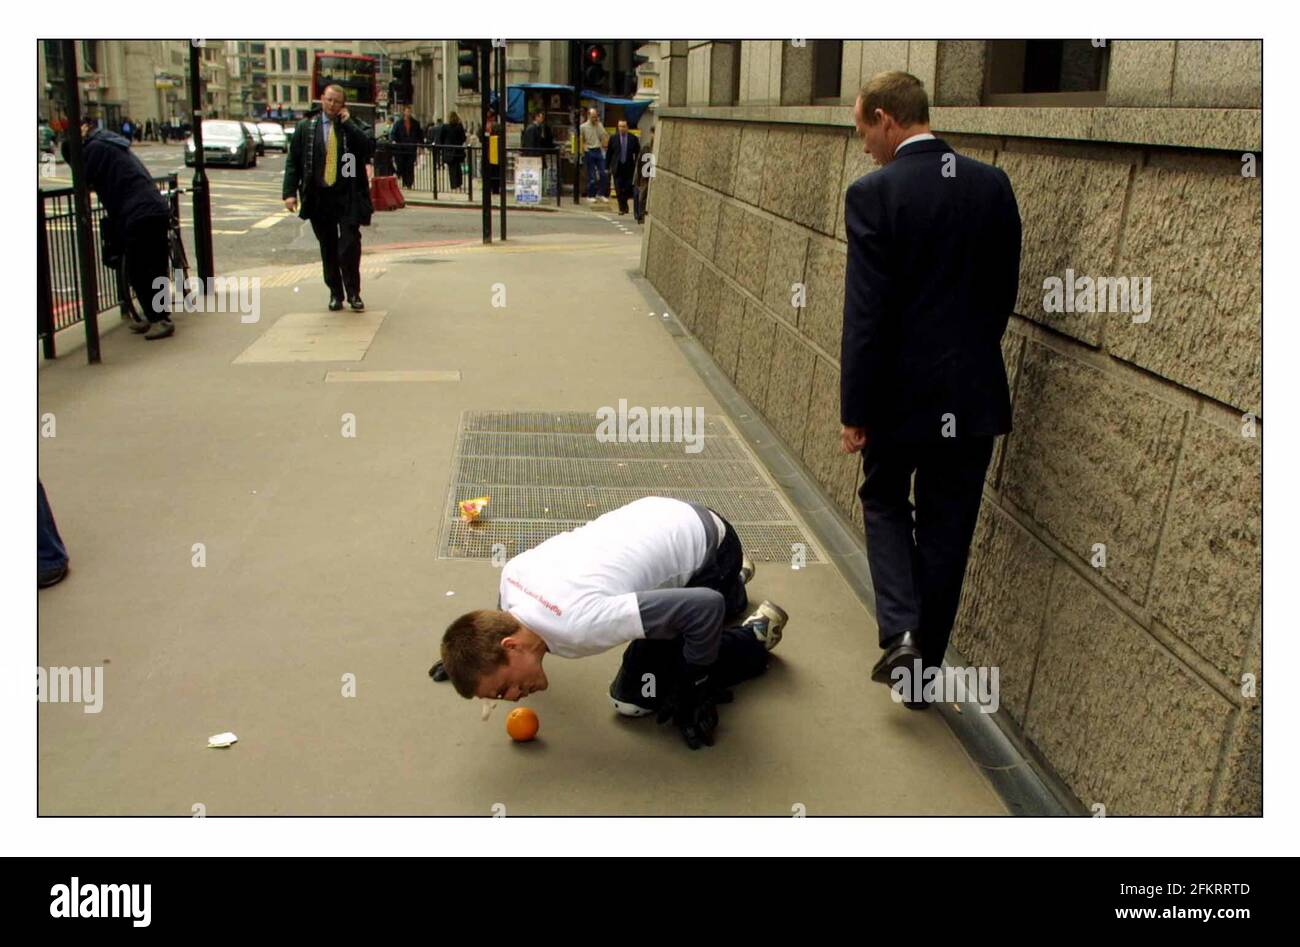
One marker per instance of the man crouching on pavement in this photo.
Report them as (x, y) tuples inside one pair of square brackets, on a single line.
[(665, 575)]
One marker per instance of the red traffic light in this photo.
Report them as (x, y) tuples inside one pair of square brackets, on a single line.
[(595, 54)]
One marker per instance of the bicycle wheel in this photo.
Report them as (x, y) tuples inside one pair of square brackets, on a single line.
[(176, 250)]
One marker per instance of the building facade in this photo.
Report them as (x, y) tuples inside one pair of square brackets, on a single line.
[(1115, 572), (141, 80)]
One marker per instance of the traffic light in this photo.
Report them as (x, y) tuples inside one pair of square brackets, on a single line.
[(634, 81), (467, 58), (405, 88), (594, 74)]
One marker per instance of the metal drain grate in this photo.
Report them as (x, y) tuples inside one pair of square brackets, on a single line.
[(547, 473), (557, 422), (585, 503), (578, 472), (501, 444)]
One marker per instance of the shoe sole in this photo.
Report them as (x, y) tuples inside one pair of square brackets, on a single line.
[(629, 710), (164, 335)]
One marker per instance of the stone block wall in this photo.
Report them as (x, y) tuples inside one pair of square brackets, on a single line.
[(1115, 572)]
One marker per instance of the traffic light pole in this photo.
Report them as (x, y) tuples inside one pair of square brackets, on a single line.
[(502, 163), (485, 87), (202, 198), (81, 205)]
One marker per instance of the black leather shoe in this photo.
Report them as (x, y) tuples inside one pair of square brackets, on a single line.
[(901, 653), (335, 303), (356, 304)]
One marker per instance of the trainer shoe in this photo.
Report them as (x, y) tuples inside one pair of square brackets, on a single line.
[(139, 325), (627, 700), (746, 569), (766, 623)]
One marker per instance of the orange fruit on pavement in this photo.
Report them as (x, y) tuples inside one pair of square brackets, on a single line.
[(522, 724)]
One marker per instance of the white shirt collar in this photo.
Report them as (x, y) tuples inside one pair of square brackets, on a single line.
[(923, 136)]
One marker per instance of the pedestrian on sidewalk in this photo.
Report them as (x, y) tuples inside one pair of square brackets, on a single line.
[(594, 139), (406, 135), (622, 158), (931, 279), (325, 181), (664, 576), (537, 138), (51, 554), (451, 137), (137, 220), (492, 171), (641, 184)]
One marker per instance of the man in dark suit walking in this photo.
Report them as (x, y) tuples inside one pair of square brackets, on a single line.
[(325, 181), (621, 157), (931, 278), (406, 135)]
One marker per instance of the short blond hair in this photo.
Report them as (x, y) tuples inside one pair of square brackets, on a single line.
[(898, 94)]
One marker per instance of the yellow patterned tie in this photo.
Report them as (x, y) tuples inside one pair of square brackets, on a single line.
[(331, 155)]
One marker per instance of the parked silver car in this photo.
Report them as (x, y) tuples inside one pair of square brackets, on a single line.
[(224, 142), (273, 136), (257, 136)]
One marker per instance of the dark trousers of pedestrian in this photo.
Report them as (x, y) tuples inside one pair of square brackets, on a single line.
[(740, 656), (623, 185), (455, 173), (340, 243), (406, 169), (918, 555), (51, 554), (638, 201), (148, 260)]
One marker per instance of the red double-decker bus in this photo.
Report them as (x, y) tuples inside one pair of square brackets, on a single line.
[(357, 75)]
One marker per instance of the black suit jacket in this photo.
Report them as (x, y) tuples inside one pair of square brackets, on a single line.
[(305, 155), (931, 279), (622, 171), (401, 136)]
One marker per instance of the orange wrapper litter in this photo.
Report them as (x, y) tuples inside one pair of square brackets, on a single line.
[(470, 510)]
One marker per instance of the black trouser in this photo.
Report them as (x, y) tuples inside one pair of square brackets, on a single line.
[(406, 168), (918, 560), (455, 170), (624, 187), (340, 242), (147, 261), (740, 656)]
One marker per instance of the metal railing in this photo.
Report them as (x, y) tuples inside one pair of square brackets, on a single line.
[(58, 299), (450, 171)]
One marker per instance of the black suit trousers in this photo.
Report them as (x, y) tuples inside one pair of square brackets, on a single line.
[(623, 184), (340, 243), (918, 555)]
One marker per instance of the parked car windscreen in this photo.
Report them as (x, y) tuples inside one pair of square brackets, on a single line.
[(223, 131)]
